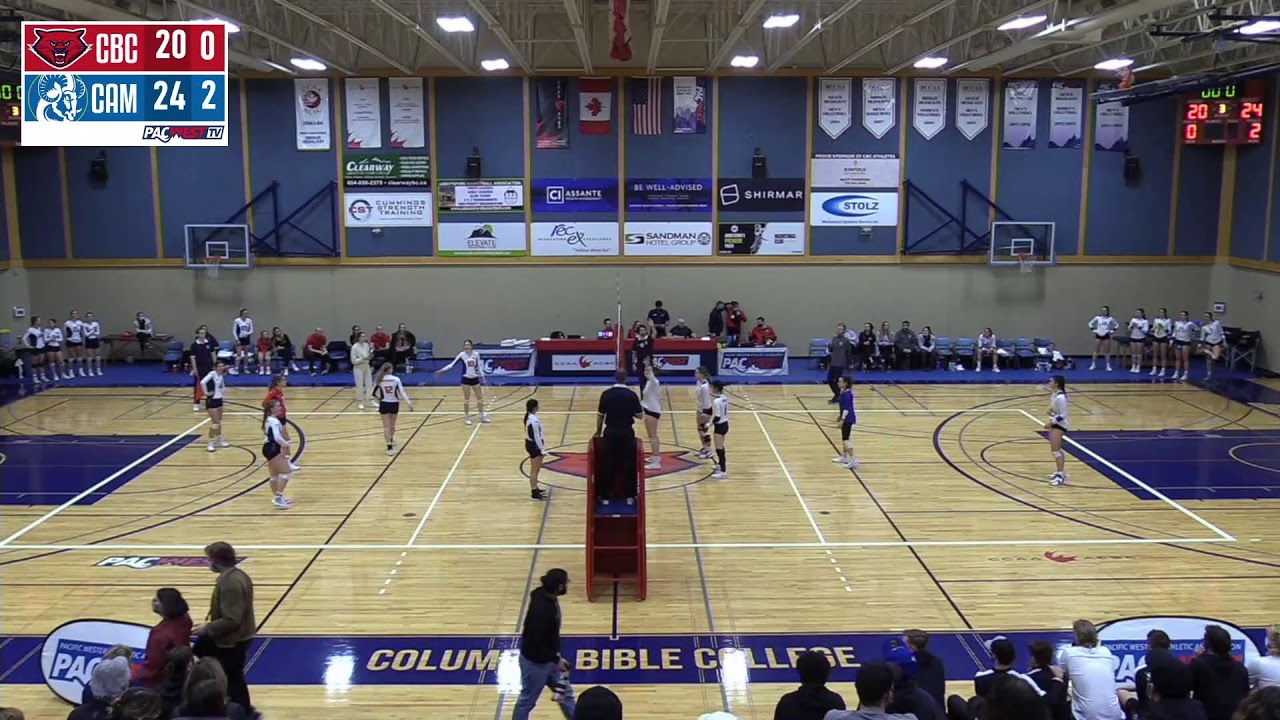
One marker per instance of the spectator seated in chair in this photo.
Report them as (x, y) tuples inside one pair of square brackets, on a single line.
[(762, 335), (907, 345), (316, 351), (680, 330)]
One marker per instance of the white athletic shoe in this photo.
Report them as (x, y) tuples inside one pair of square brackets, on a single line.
[(1093, 366), (99, 372), (361, 406), (719, 475), (978, 368), (1161, 373), (653, 464), (1154, 370), (222, 442), (842, 460), (391, 450), (294, 468), (1058, 478), (281, 502), (485, 418), (853, 464), (1185, 376), (195, 407), (995, 368), (212, 447), (82, 372), (235, 371), (1108, 368), (468, 420)]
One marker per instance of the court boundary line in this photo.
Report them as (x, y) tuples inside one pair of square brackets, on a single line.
[(102, 483), (916, 411), (1128, 476)]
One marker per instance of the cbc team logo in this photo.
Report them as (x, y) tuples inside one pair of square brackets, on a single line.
[(60, 48), (57, 98)]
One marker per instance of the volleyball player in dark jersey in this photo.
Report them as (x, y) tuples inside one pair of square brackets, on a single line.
[(204, 354)]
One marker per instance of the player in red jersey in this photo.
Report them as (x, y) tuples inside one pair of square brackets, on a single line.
[(276, 393)]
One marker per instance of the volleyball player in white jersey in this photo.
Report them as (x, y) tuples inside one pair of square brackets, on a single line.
[(1212, 340), (535, 444), (1102, 326), (1139, 326), (472, 379), (275, 448), (53, 349), (719, 427), (92, 330), (651, 401), (702, 389), (73, 328), (33, 349), (242, 331), (1161, 333), (390, 392), (1183, 332), (1057, 426), (214, 387)]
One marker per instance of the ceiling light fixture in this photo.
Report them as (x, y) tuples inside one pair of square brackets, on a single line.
[(495, 64), (744, 61), (455, 24), (931, 63), (781, 21), (1022, 23), (1113, 64), (307, 64), (1258, 27)]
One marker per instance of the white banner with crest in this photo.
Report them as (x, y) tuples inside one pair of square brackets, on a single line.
[(879, 103), (1021, 98), (835, 105), (1111, 123), (1066, 114), (929, 111), (408, 124), (364, 114), (311, 113), (973, 103)]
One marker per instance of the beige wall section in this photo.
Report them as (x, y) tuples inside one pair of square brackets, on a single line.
[(1253, 303), (449, 303), (14, 291)]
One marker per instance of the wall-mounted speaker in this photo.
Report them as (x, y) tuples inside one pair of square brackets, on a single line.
[(759, 166), (473, 164), (1132, 170), (98, 172)]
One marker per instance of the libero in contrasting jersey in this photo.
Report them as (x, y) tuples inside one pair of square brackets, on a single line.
[(124, 84)]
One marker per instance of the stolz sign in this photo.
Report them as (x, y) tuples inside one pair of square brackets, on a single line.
[(754, 361), (73, 650)]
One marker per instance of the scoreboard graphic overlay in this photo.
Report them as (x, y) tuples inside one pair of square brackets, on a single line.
[(124, 84)]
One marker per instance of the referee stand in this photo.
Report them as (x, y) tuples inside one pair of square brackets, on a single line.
[(615, 532)]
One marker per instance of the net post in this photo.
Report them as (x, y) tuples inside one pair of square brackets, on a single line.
[(619, 333)]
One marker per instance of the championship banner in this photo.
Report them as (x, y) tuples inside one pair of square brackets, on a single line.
[(1111, 123), (879, 97), (1066, 114), (505, 195), (486, 240), (767, 195), (879, 209), (71, 652), (387, 210), (783, 238), (856, 171), (551, 126), (377, 170), (929, 111), (1021, 98), (507, 362), (668, 194), (408, 119), (835, 105), (311, 113), (667, 238), (689, 106), (753, 361), (575, 195), (973, 102), (90, 84), (364, 113), (570, 239)]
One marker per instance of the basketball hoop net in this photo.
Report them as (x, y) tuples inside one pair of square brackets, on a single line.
[(1024, 263), (211, 265)]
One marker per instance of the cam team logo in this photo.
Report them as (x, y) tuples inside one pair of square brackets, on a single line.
[(57, 98), (60, 48)]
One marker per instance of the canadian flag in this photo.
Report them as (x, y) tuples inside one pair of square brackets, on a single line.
[(595, 106)]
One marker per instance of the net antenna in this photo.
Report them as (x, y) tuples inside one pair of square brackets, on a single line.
[(618, 331)]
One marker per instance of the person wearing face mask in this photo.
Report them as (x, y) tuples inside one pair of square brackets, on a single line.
[(231, 627), (541, 664), (762, 334), (173, 631)]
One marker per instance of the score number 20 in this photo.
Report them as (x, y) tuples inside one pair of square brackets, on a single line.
[(1250, 112)]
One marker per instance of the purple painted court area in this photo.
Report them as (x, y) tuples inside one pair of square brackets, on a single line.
[(1186, 464), (52, 469)]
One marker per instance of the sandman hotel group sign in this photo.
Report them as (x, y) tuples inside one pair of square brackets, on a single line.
[(671, 238)]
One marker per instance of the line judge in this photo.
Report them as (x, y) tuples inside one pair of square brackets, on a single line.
[(618, 411)]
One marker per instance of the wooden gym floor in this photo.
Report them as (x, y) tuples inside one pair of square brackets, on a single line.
[(948, 525)]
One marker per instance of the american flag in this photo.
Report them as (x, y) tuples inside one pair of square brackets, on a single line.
[(646, 106)]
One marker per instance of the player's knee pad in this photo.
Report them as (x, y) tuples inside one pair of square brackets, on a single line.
[(1058, 454), (283, 477), (216, 426)]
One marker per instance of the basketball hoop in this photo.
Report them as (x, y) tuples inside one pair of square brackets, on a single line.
[(211, 265), (1024, 263)]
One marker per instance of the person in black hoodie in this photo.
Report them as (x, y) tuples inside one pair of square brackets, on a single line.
[(1049, 678), (541, 665), (931, 674), (1219, 680), (715, 321), (1171, 694), (812, 700)]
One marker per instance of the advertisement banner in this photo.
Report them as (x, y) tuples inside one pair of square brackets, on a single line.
[(1127, 641), (857, 171), (72, 651), (487, 240), (507, 362), (1021, 105), (869, 208), (768, 195), (689, 105), (311, 113), (551, 125), (973, 98), (387, 210), (364, 113), (385, 170), (574, 362), (677, 362), (575, 195), (406, 102), (667, 238), (784, 238), (756, 361), (668, 194), (506, 195), (570, 239)]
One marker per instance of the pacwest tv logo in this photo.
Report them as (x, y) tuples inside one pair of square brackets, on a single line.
[(165, 133), (146, 563)]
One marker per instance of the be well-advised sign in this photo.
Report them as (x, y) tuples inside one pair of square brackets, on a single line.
[(668, 194), (385, 170)]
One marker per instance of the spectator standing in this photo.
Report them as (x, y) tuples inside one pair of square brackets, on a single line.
[(107, 682), (1089, 674), (840, 357), (231, 627), (361, 354), (641, 351), (813, 700), (875, 692), (680, 330), (618, 410), (762, 334), (931, 674), (907, 344), (541, 665), (317, 349), (734, 319), (659, 318), (173, 631), (1265, 671), (1219, 680), (715, 322)]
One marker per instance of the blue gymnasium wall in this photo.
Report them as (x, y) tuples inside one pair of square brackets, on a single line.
[(487, 114), (937, 167), (670, 156), (4, 222), (40, 213), (587, 157), (201, 186), (126, 198), (1255, 169), (391, 241), (844, 240), (777, 132), (1134, 219)]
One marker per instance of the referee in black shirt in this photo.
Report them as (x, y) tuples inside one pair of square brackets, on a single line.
[(618, 411)]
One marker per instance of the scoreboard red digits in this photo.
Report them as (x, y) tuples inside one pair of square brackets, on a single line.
[(1231, 114)]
